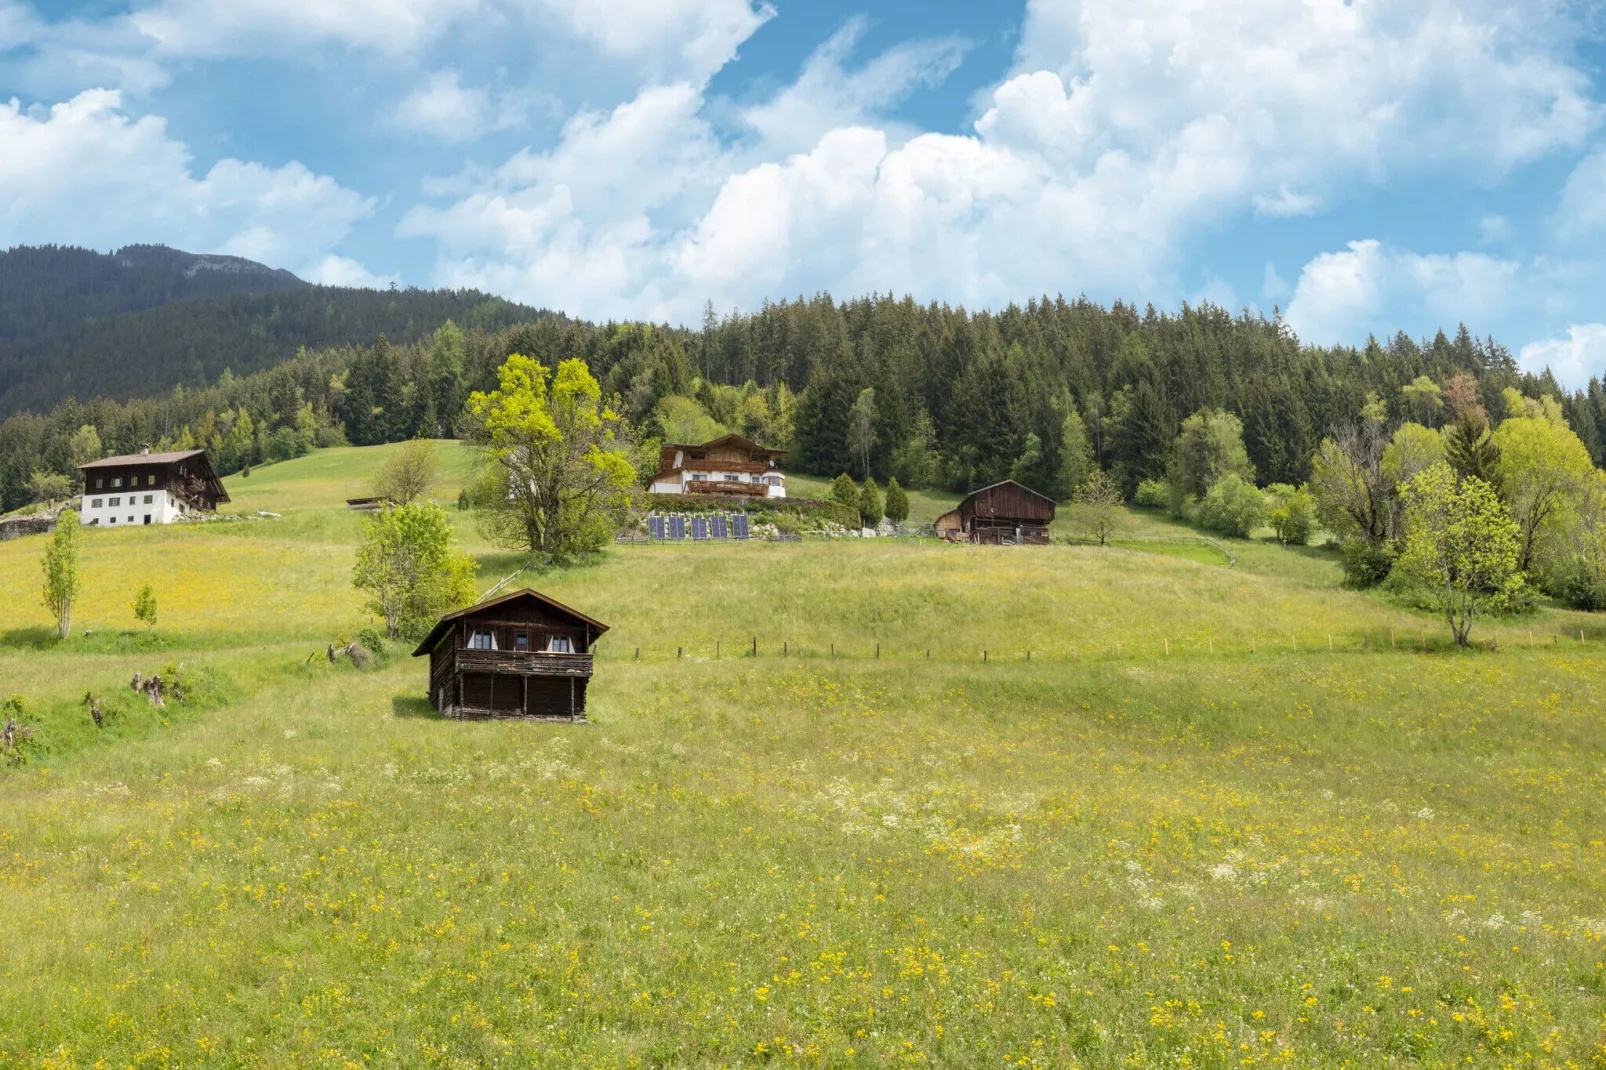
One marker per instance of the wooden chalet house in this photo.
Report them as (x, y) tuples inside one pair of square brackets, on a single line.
[(149, 488), (731, 465), (520, 655), (1005, 513)]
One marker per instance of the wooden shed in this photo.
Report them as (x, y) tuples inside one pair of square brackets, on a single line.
[(520, 655), (1004, 513)]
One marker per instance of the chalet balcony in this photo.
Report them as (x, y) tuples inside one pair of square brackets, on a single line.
[(728, 487), (525, 663)]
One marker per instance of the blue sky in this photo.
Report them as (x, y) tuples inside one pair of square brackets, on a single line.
[(1364, 166)]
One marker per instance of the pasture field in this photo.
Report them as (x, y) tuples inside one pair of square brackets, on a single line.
[(1182, 832)]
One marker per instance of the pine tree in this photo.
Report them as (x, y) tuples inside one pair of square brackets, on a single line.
[(1471, 450)]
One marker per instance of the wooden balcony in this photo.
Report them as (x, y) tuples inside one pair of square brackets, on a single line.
[(525, 662), (728, 487)]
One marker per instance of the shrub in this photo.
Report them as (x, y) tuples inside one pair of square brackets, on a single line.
[(845, 492), (870, 510), (1365, 565), (1292, 513), (1578, 586), (1152, 494), (897, 503), (1233, 507)]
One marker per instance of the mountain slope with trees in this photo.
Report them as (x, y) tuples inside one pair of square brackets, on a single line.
[(76, 323)]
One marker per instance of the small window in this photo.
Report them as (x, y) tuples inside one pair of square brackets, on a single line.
[(111, 520), (147, 499), (99, 483), (521, 641), (150, 480), (95, 503), (559, 644), (115, 502), (117, 481), (481, 641)]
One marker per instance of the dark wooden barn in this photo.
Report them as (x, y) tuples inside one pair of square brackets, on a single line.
[(521, 655), (1005, 513)]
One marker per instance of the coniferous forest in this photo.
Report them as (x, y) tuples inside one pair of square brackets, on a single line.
[(932, 395)]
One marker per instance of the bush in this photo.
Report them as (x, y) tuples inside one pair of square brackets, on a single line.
[(1292, 513), (1365, 565), (1578, 586), (897, 503), (1233, 507), (1152, 494), (870, 508)]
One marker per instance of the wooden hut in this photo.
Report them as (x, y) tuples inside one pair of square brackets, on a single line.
[(521, 655), (1005, 513)]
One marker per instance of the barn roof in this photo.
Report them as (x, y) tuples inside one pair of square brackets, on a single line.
[(143, 458), (1009, 483), (445, 622)]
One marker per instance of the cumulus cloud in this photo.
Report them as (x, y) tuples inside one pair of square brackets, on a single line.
[(343, 271), (1341, 297), (1574, 360), (828, 96), (682, 38), (1129, 127), (85, 173), (442, 107)]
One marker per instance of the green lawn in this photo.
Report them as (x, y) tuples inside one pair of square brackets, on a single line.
[(1162, 824)]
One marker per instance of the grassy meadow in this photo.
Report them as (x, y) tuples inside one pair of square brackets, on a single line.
[(1163, 823)]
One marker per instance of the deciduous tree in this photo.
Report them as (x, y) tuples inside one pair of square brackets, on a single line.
[(862, 435), (1541, 467), (1291, 511), (145, 606), (555, 477), (1460, 543), (407, 472), (411, 569), (1210, 446), (63, 582), (1096, 506)]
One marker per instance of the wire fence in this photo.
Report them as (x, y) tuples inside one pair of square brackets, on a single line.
[(1382, 641)]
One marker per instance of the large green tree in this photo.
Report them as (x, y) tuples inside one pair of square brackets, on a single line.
[(1210, 446), (1542, 468), (409, 566), (1460, 544), (555, 476)]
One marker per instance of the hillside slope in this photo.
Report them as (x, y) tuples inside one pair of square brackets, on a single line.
[(147, 318)]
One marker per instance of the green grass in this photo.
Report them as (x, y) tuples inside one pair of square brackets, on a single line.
[(1169, 838), (925, 506)]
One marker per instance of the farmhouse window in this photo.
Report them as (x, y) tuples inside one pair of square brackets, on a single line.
[(99, 483), (117, 481), (147, 499), (482, 641), (559, 644), (95, 503), (150, 480), (521, 641), (116, 502)]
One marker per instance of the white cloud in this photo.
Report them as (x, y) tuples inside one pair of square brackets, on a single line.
[(1583, 199), (1131, 127), (251, 27), (1493, 229), (682, 38), (1343, 296), (343, 271), (827, 96), (18, 25), (85, 173), (1574, 360), (443, 108)]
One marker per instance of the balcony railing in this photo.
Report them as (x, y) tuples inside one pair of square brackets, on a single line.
[(529, 662)]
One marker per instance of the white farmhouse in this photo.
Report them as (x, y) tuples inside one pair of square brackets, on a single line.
[(149, 488), (731, 465)]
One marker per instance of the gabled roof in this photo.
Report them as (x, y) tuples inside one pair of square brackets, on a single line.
[(143, 458), (725, 440), (445, 622), (1009, 483)]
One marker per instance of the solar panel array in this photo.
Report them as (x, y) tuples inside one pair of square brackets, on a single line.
[(699, 528)]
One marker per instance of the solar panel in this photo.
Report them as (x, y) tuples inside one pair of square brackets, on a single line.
[(699, 527), (718, 528), (739, 521), (677, 528), (656, 528)]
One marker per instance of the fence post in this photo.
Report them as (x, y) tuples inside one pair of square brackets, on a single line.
[(678, 652), (833, 650), (878, 651), (1251, 644), (984, 657), (716, 649), (1167, 643), (1211, 640), (786, 648), (638, 653), (1329, 642), (755, 646)]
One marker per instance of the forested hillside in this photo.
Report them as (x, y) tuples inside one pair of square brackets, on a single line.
[(137, 322), (959, 398)]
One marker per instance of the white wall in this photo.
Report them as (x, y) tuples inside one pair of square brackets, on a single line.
[(131, 508)]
